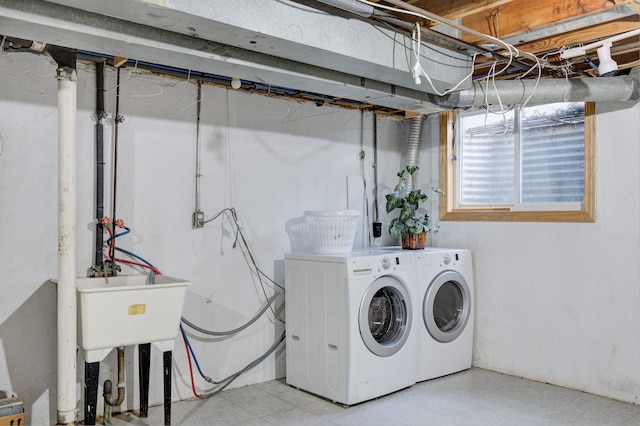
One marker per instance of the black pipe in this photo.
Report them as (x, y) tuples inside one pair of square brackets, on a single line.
[(100, 114)]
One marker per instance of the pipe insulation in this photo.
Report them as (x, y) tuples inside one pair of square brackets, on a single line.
[(67, 322), (516, 92)]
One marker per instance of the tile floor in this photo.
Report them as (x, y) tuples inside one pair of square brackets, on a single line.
[(472, 397)]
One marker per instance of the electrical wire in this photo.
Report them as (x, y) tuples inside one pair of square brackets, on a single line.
[(239, 235), (513, 51), (417, 70)]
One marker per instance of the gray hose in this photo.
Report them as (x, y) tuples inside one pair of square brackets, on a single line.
[(236, 330), (228, 380)]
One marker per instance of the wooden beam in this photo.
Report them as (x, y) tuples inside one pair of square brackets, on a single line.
[(520, 16), (457, 8), (584, 36), (118, 61)]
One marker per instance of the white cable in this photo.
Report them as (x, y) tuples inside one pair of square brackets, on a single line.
[(440, 21), (417, 70), (513, 52)]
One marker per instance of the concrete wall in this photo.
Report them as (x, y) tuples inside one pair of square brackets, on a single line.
[(560, 302), (270, 159), (555, 302)]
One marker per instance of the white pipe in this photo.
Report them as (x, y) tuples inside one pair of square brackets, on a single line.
[(582, 50), (67, 322)]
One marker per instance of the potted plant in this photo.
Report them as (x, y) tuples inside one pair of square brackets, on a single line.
[(410, 225)]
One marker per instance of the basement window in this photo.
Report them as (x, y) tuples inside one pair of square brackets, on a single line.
[(533, 164)]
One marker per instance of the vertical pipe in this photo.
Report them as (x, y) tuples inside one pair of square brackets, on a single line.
[(99, 165), (198, 107), (67, 322), (118, 119)]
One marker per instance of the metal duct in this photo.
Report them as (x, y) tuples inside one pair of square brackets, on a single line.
[(516, 92), (411, 154), (352, 6)]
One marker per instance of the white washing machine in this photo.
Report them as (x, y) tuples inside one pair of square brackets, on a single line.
[(349, 323), (444, 318)]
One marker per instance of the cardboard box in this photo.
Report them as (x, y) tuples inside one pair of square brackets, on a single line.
[(12, 420)]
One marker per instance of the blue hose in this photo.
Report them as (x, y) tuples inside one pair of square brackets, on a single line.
[(193, 355)]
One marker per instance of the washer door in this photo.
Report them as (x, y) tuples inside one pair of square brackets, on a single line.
[(385, 316), (447, 306)]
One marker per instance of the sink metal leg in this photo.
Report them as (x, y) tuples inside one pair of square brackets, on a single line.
[(91, 373), (144, 365), (167, 386)]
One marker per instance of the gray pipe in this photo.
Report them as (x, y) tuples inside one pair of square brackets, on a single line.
[(413, 146), (107, 389), (516, 92)]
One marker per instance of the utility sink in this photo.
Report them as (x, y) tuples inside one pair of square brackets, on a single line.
[(128, 310)]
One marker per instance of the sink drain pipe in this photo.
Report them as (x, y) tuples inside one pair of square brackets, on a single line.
[(108, 389)]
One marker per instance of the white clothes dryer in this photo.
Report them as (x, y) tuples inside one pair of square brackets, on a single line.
[(444, 319), (349, 324)]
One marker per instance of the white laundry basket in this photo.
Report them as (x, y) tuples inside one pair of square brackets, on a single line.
[(333, 230)]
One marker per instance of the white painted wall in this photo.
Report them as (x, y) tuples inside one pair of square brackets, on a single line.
[(560, 302), (555, 302), (271, 159)]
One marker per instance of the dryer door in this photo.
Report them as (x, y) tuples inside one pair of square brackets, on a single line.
[(385, 316), (447, 306)]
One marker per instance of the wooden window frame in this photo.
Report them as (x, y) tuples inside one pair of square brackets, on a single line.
[(448, 211)]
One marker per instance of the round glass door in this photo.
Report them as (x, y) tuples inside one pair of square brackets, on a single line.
[(447, 306), (385, 316)]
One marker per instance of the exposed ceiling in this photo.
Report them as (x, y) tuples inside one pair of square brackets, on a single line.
[(542, 27), (321, 50)]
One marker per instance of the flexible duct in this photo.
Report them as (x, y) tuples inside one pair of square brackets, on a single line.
[(413, 146), (517, 92)]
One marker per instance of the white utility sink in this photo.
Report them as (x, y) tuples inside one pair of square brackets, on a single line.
[(127, 310)]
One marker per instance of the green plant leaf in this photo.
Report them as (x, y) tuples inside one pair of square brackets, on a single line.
[(415, 197), (406, 213), (411, 169), (394, 201)]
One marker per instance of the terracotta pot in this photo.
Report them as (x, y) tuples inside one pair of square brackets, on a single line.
[(414, 242)]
